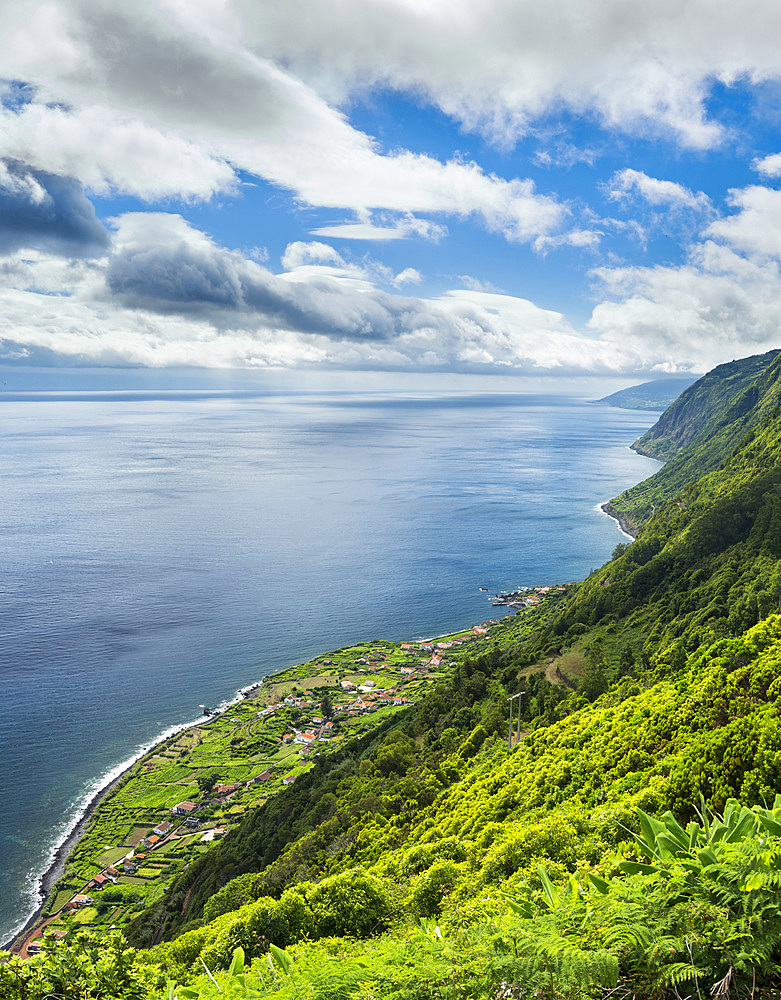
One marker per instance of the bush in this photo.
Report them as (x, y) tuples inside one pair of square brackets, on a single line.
[(351, 904)]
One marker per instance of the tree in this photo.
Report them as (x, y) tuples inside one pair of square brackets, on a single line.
[(207, 781), (327, 705), (595, 680)]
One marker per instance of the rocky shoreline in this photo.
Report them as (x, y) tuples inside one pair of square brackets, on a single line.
[(626, 526)]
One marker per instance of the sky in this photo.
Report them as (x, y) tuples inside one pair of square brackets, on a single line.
[(581, 187)]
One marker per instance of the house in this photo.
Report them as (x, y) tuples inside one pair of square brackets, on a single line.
[(99, 881), (288, 779), (184, 808), (129, 866), (80, 899), (479, 630), (226, 788), (348, 685), (162, 828), (263, 776)]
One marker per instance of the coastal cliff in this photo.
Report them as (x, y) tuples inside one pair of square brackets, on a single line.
[(698, 432)]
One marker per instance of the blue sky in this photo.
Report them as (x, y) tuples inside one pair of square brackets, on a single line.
[(582, 187)]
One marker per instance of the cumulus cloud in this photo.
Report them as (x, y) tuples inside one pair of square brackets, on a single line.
[(300, 254), (167, 93), (656, 192), (168, 295), (756, 228), (409, 276), (163, 265), (107, 149), (499, 65), (716, 307), (769, 166), (723, 302), (43, 210)]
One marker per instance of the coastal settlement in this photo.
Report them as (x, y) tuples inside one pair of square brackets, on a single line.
[(191, 788)]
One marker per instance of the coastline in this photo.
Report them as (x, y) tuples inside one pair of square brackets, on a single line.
[(627, 528), (110, 781), (57, 867), (115, 777)]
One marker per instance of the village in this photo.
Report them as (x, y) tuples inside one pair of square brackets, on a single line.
[(528, 597), (193, 787)]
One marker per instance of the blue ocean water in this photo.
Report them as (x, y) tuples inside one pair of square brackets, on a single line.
[(163, 550)]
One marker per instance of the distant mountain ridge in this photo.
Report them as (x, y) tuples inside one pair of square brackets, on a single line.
[(657, 394), (699, 431)]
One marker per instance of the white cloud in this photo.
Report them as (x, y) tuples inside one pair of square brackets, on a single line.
[(580, 239), (756, 228), (768, 166), (108, 150), (140, 98), (168, 295), (400, 229), (300, 254), (654, 191), (409, 276), (723, 302), (498, 65)]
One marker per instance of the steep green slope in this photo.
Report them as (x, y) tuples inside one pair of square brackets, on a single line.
[(699, 430), (703, 407)]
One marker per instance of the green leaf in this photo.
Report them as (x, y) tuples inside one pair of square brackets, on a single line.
[(599, 883), (769, 824), (208, 973), (636, 868), (281, 958), (237, 965), (743, 827), (707, 856), (551, 896), (675, 831), (523, 909)]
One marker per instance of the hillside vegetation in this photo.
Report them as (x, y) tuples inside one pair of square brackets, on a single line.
[(628, 844)]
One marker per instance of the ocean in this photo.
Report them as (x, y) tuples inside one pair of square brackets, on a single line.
[(161, 550)]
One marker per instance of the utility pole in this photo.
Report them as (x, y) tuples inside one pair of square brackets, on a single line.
[(511, 699)]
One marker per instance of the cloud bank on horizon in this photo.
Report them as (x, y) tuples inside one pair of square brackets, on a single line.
[(583, 186)]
